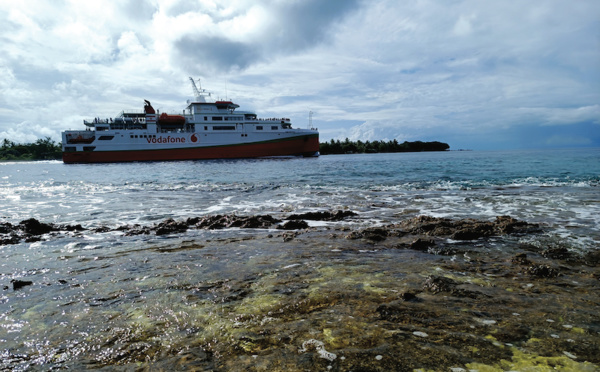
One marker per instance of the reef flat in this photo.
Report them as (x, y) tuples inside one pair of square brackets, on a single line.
[(312, 292)]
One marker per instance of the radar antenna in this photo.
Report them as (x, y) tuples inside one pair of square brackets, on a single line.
[(199, 93)]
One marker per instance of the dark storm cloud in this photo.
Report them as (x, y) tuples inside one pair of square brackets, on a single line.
[(218, 53), (293, 27), (305, 23)]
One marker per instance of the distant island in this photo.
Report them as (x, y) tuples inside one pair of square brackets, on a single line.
[(42, 149), (359, 147), (47, 149)]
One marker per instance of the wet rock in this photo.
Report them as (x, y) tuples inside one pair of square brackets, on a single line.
[(30, 230), (252, 342), (406, 312), (466, 229), (6, 228), (508, 225), (542, 271), (422, 244), (135, 230), (521, 259), (77, 227), (426, 225), (375, 234), (171, 226), (227, 221), (253, 222), (513, 332), (35, 227), (289, 236), (409, 296), (322, 216), (104, 229), (18, 284), (592, 258), (558, 253), (473, 232), (437, 284), (293, 225), (10, 239)]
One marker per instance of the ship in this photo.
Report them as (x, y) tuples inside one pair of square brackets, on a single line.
[(205, 129)]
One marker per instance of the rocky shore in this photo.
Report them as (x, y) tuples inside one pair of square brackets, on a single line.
[(423, 293)]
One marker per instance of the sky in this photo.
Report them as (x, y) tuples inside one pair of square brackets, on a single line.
[(481, 75)]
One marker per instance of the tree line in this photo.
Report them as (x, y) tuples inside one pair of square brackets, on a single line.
[(42, 149), (354, 147)]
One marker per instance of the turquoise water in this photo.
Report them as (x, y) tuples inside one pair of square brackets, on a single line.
[(106, 299)]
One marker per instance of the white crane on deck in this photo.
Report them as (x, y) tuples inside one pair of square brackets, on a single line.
[(199, 94)]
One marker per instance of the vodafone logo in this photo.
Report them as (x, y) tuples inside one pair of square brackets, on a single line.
[(167, 139), (194, 138)]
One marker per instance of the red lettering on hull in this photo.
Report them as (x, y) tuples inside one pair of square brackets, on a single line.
[(307, 145), (167, 139)]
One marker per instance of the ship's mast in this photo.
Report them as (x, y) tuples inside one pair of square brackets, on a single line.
[(199, 93)]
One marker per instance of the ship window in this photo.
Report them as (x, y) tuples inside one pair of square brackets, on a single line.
[(205, 118), (105, 138), (224, 127), (259, 127), (217, 118), (205, 127), (274, 127), (70, 148), (89, 148)]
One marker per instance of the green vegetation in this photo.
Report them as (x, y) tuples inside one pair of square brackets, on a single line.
[(351, 147), (42, 149)]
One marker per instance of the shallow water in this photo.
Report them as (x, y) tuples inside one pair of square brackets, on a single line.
[(260, 299)]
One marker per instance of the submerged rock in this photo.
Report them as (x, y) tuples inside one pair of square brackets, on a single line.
[(542, 271), (521, 259), (558, 253), (438, 284)]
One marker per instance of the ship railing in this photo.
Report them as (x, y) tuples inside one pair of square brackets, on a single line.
[(270, 120)]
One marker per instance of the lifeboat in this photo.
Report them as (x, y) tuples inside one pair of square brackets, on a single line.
[(171, 119)]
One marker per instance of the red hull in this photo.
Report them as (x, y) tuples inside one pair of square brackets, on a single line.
[(297, 146)]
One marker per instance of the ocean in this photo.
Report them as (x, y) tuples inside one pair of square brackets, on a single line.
[(311, 298)]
